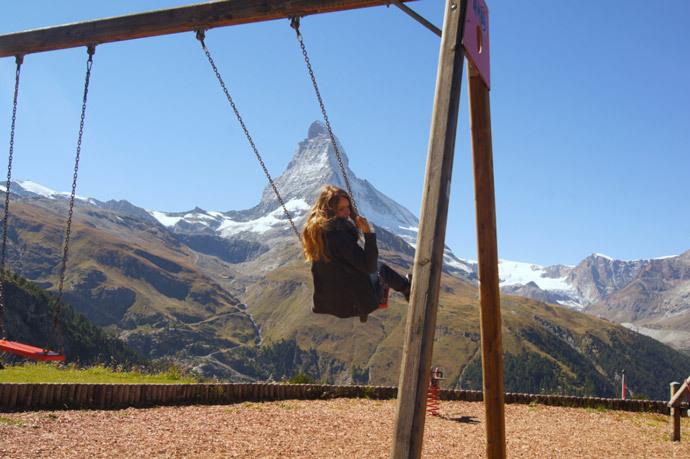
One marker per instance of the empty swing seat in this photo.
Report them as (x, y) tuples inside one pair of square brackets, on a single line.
[(30, 352)]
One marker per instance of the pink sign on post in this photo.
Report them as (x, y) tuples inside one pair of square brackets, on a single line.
[(475, 39)]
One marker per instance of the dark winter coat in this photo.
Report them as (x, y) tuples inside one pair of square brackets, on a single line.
[(342, 285)]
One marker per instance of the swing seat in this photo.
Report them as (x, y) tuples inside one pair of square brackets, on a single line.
[(30, 352)]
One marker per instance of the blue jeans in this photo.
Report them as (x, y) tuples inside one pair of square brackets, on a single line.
[(386, 276)]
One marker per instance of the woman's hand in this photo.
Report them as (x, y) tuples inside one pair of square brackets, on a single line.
[(363, 224)]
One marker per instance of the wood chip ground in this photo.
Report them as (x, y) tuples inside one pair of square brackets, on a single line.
[(341, 428)]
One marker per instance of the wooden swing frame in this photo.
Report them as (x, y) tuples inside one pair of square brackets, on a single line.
[(428, 264)]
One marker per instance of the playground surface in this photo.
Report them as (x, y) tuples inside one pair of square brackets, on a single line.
[(339, 428)]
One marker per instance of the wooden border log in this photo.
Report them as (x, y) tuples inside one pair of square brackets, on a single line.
[(112, 396), (156, 395), (197, 394), (136, 395), (4, 396), (179, 394), (32, 395), (99, 396), (153, 395), (61, 394), (70, 400), (43, 396), (12, 396), (46, 396), (170, 394), (145, 395), (214, 392), (20, 403), (167, 394), (198, 391), (115, 397), (206, 394), (130, 391), (56, 400), (86, 397), (173, 398), (241, 393), (233, 394), (123, 395), (109, 390)]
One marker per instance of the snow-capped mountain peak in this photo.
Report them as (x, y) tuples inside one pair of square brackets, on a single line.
[(27, 188), (313, 165), (36, 188)]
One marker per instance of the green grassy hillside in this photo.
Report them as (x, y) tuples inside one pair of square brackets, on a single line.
[(98, 374), (133, 278)]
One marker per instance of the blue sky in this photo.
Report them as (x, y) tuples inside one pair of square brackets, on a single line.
[(590, 116)]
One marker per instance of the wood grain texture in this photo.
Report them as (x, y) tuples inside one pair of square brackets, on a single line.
[(169, 21), (487, 255), (428, 263)]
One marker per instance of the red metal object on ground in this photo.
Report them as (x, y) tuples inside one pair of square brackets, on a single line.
[(30, 352), (433, 401)]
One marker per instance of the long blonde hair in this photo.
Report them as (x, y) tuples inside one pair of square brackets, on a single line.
[(322, 213)]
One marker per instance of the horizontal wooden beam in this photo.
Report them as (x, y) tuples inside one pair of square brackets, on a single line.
[(675, 400), (168, 21)]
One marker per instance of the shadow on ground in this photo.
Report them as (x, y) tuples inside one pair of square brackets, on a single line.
[(461, 419)]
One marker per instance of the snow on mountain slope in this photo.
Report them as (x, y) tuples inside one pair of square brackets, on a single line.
[(516, 272), (28, 188)]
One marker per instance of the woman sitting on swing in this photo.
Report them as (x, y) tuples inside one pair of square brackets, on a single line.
[(348, 280)]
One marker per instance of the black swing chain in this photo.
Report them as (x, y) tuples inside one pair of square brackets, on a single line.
[(294, 23), (200, 35), (91, 50), (19, 60)]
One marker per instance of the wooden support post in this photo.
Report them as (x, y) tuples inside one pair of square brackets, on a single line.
[(675, 413), (168, 21), (428, 263), (487, 254), (680, 393)]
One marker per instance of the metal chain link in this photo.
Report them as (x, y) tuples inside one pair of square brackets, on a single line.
[(294, 23), (19, 60), (68, 227), (201, 36)]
